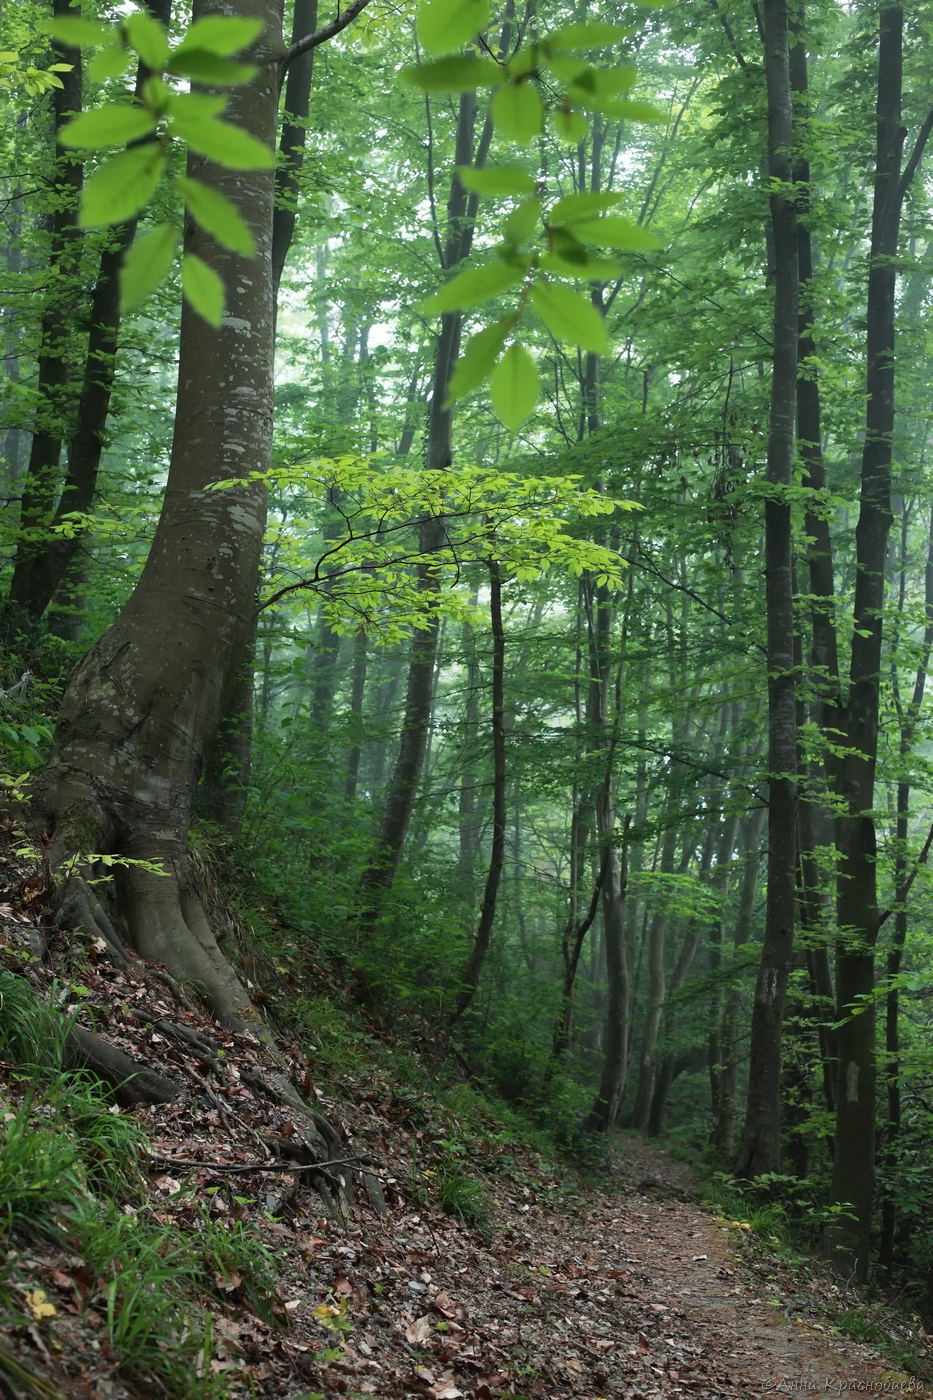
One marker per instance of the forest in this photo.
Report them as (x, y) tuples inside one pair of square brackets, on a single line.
[(468, 538)]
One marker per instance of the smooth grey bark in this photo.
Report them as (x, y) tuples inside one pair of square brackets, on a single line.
[(141, 708)]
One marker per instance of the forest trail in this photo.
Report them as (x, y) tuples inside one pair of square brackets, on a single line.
[(555, 1291)]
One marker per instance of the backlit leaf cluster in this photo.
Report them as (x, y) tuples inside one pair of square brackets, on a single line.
[(540, 241), (123, 185)]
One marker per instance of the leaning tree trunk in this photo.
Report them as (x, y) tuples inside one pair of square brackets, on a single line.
[(141, 709)]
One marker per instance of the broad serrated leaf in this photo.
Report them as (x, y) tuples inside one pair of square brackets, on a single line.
[(496, 181), (77, 32), (111, 125), (473, 286), (615, 231), (574, 208), (523, 222), (587, 269), (570, 317), (456, 73), (147, 36), (518, 112), (479, 355), (122, 186), (219, 215), (146, 263), (570, 125), (222, 35), (111, 61), (447, 24), (514, 386), (195, 106), (590, 34), (223, 143), (203, 289), (204, 67)]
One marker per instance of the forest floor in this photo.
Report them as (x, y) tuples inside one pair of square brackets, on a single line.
[(547, 1287)]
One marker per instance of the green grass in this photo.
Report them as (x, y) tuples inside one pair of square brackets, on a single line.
[(69, 1173)]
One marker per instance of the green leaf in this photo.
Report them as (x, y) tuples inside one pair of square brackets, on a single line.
[(576, 207), (570, 317), (147, 36), (615, 231), (195, 106), (111, 61), (518, 112), (122, 186), (514, 386), (447, 24), (570, 125), (222, 35), (456, 73), (226, 144), (591, 34), (77, 32), (587, 269), (204, 67), (203, 289), (478, 358), (523, 222), (110, 125), (146, 264), (496, 181), (475, 285), (219, 215)]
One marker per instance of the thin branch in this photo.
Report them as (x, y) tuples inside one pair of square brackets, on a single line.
[(901, 894), (321, 36), (910, 169)]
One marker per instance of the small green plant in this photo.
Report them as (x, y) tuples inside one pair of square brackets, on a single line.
[(462, 1196), (227, 1249)]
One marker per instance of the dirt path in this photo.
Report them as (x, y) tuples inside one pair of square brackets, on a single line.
[(557, 1294), (690, 1263)]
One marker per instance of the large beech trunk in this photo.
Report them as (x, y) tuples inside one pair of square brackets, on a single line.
[(141, 709)]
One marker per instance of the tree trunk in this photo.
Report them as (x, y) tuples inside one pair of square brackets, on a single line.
[(856, 903), (142, 707), (761, 1143), (469, 978)]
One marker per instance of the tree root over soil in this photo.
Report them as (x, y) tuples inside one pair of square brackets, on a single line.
[(154, 908)]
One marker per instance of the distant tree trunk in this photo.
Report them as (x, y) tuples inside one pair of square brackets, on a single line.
[(469, 977), (723, 1049), (380, 872), (856, 902), (761, 1143), (357, 692), (42, 563)]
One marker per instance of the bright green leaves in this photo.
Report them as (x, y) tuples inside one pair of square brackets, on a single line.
[(455, 73), (518, 112), (147, 36), (146, 263), (478, 359), (203, 288), (569, 317), (216, 213), (514, 386), (557, 64), (476, 285), (496, 181), (112, 125), (448, 24), (121, 187)]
